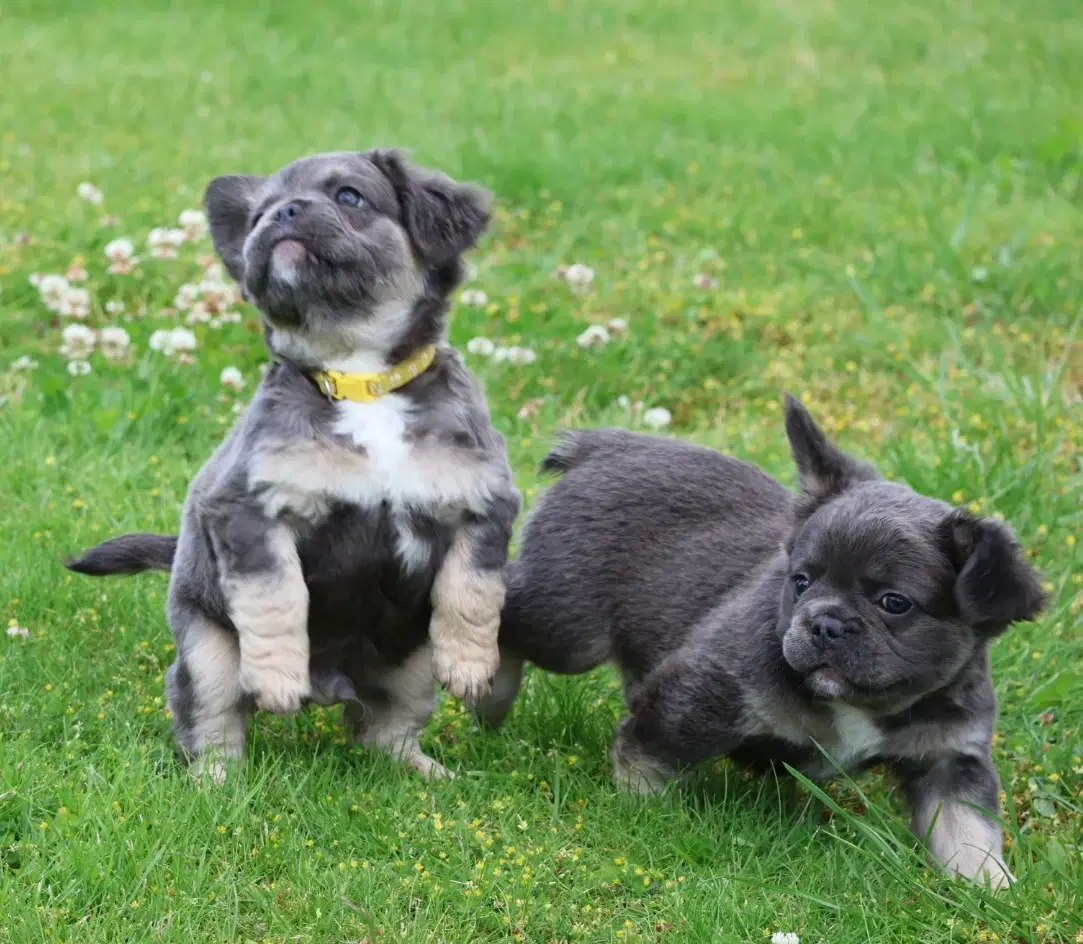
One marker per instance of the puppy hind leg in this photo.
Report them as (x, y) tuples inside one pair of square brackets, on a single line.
[(493, 707), (204, 693), (392, 711)]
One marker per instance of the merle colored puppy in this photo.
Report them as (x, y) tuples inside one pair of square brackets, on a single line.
[(752, 622), (348, 538)]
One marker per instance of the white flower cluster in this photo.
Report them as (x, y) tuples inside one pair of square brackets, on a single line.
[(60, 296), (579, 276), (483, 347), (601, 335), (121, 256), (79, 342), (210, 300), (173, 341)]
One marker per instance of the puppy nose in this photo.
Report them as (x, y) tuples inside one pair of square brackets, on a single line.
[(287, 212), (825, 629)]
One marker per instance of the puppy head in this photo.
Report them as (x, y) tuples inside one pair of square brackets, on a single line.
[(890, 592), (340, 248)]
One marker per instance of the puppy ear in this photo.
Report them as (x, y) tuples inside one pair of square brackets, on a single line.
[(228, 201), (995, 585), (442, 217), (825, 470)]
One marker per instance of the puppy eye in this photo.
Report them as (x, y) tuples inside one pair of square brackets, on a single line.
[(895, 604), (800, 584), (347, 196)]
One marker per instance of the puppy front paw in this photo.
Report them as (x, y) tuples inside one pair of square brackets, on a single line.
[(277, 688), (984, 868), (464, 668)]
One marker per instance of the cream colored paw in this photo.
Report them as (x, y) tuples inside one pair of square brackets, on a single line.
[(640, 775), (276, 688), (465, 670), (983, 868), (210, 770)]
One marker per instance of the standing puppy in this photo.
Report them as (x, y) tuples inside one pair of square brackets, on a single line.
[(358, 516), (752, 622)]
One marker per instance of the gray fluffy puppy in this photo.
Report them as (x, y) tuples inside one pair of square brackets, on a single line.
[(752, 622), (331, 548)]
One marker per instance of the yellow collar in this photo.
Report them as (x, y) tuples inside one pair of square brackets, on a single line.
[(364, 388)]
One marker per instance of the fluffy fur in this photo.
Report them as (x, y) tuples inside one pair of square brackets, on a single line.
[(750, 621), (339, 550)]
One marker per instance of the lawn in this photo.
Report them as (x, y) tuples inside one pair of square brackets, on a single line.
[(876, 206)]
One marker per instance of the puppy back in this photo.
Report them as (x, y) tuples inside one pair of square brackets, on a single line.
[(575, 446)]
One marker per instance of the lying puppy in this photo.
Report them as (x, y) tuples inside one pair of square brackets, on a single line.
[(752, 622), (358, 515)]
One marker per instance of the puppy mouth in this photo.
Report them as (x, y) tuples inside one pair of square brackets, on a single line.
[(828, 682), (288, 252)]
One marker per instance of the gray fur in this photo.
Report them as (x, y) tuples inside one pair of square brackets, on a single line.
[(338, 517), (678, 564)]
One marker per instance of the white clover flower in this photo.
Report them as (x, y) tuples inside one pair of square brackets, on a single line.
[(785, 937), (78, 368), (470, 272), (617, 326), (172, 341), (26, 362), (18, 632), (657, 417), (578, 276), (703, 280), (218, 295), (163, 242), (76, 273), (115, 343), (87, 191), (53, 290), (186, 296), (121, 256), (232, 378), (500, 354), (483, 347), (623, 402), (198, 314), (230, 317), (36, 279), (79, 341), (76, 303), (115, 306), (594, 336), (474, 296), (521, 355), (194, 224)]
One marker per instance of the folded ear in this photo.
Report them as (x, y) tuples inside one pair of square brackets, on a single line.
[(442, 217), (825, 470), (995, 585), (228, 201)]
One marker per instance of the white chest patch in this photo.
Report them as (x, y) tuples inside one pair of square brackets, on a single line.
[(379, 428), (856, 736)]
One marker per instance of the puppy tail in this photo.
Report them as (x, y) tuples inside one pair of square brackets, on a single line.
[(566, 453), (128, 554)]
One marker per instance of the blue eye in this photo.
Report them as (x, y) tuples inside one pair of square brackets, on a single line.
[(895, 604), (347, 196), (800, 584)]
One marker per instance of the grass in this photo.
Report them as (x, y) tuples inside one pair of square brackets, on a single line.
[(887, 199)]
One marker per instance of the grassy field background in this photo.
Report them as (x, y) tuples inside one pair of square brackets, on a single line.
[(876, 206)]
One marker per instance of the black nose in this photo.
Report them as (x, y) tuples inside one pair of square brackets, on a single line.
[(825, 629), (287, 212)]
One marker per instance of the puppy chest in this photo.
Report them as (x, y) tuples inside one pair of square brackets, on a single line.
[(857, 738)]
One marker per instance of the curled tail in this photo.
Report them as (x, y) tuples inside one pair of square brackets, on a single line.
[(575, 446), (128, 554)]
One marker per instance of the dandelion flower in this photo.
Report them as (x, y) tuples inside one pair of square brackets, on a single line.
[(78, 368), (657, 417), (79, 341), (474, 297), (232, 378), (194, 224), (87, 191), (115, 343), (121, 256), (594, 336), (483, 347)]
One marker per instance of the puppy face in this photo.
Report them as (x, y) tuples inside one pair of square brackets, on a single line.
[(344, 244), (890, 592)]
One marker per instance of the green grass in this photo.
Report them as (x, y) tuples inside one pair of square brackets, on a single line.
[(888, 197)]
